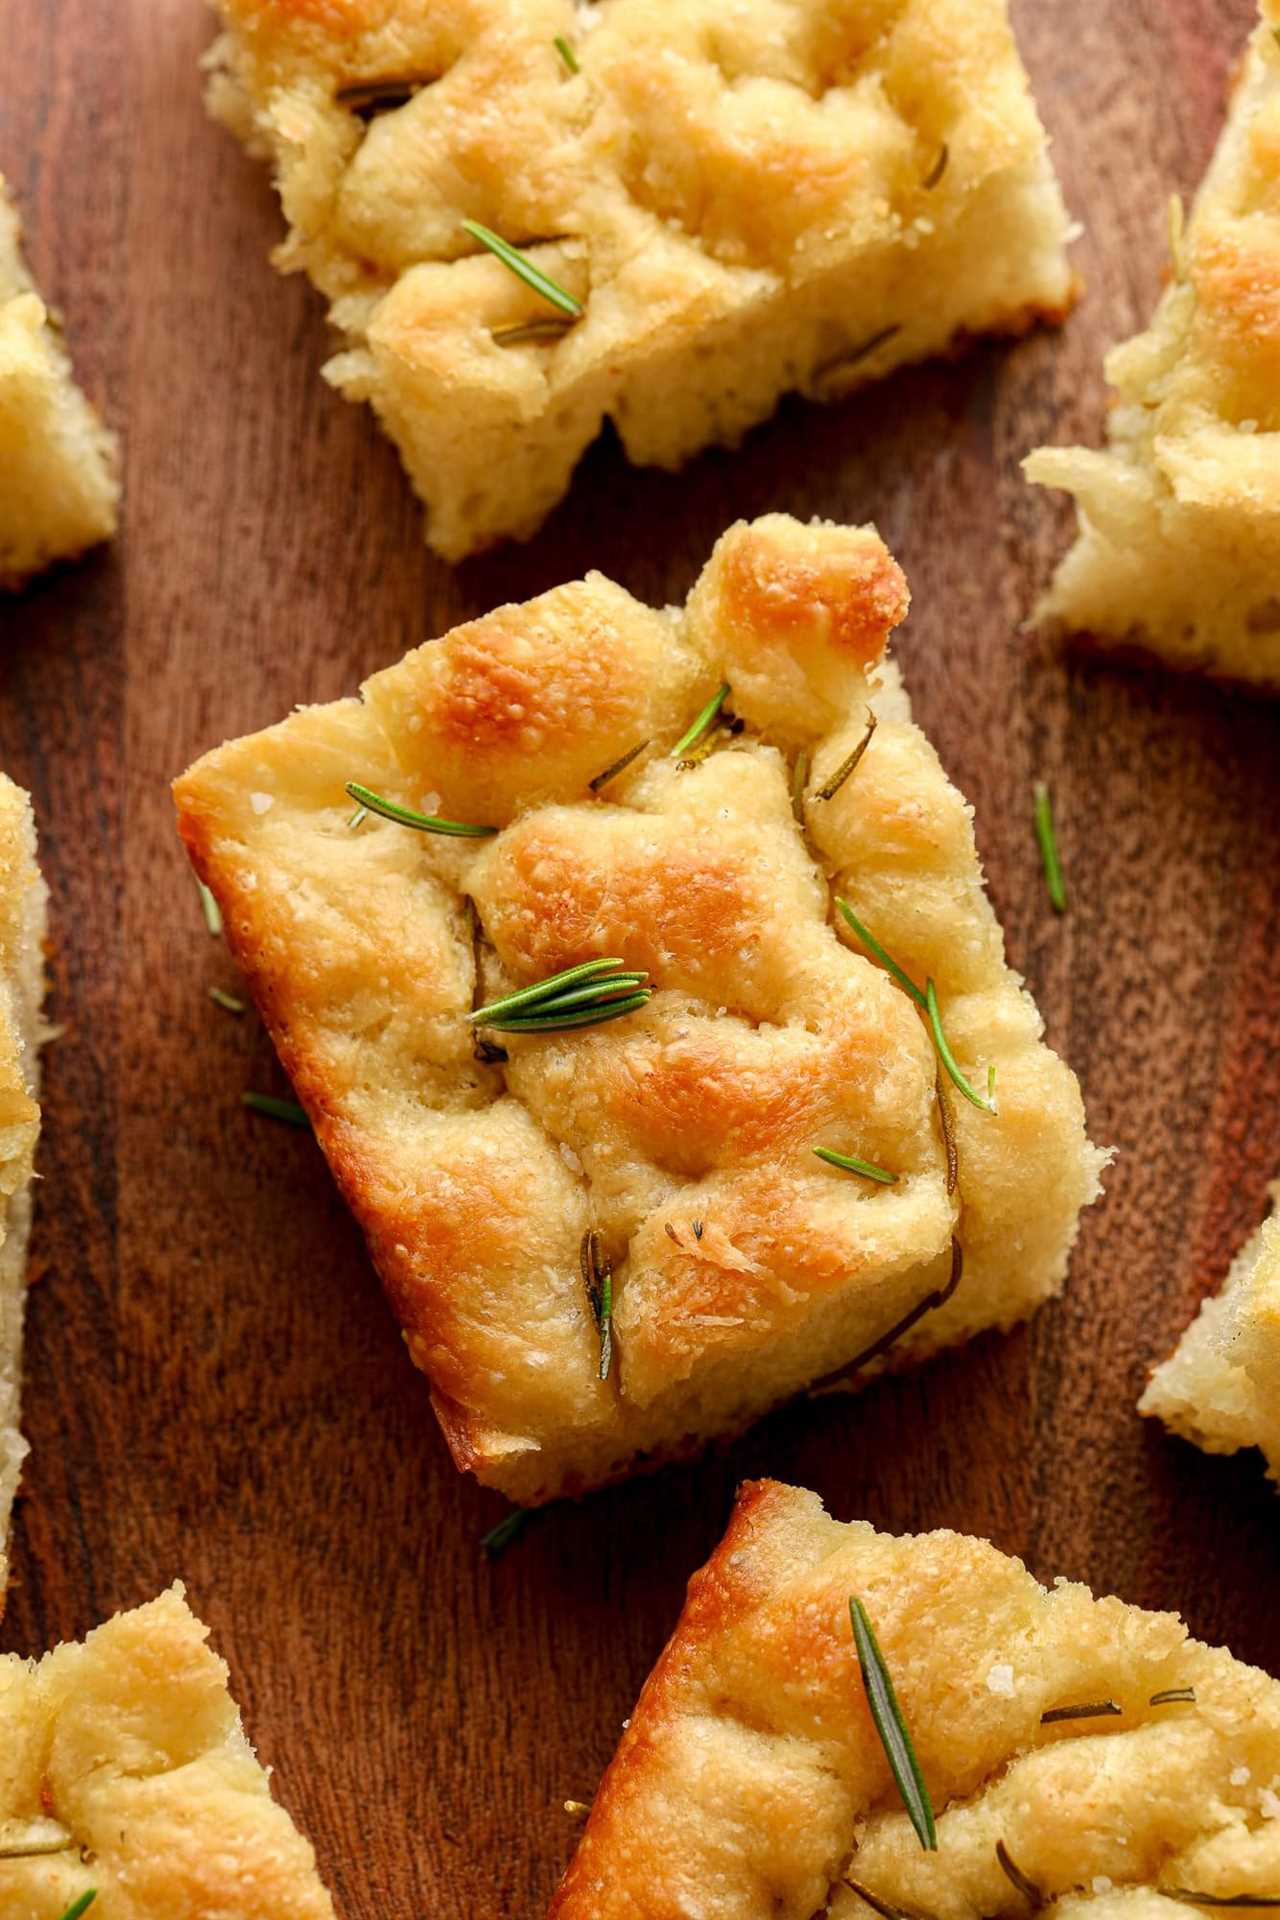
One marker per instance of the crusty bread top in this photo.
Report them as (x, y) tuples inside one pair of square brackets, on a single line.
[(750, 1783), (122, 1759), (744, 1267)]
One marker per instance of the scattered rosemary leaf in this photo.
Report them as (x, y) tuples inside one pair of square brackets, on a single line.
[(1027, 1887), (873, 946), (892, 1728), (703, 721), (873, 1900), (839, 1379), (948, 1132), (799, 781), (81, 1904), (227, 1001), (1169, 1694), (697, 1229), (524, 333), (576, 1808), (597, 1279), (847, 766), (1190, 1898), (1048, 844), (406, 817), (566, 53), (488, 1051), (843, 362), (358, 818), (580, 996), (852, 1164), (211, 910), (287, 1110), (938, 168), (618, 766), (366, 98), (499, 1538), (606, 1323), (946, 1056), (672, 1234), (1091, 1710), (523, 268)]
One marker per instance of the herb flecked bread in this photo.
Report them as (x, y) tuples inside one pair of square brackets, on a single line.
[(1179, 544), (124, 1770), (1221, 1385), (751, 1782), (744, 199), (681, 1134), (23, 900), (58, 485)]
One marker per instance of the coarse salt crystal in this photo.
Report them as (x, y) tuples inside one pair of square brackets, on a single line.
[(1269, 1801), (569, 1157), (1102, 1883), (1000, 1680), (262, 802), (1239, 1776)]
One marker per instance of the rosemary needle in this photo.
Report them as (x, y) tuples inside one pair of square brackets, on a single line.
[(1170, 1694), (703, 721), (227, 1001), (287, 1110), (597, 1279), (523, 267), (852, 1164), (566, 53), (210, 908), (938, 168), (886, 960), (892, 1728), (1031, 1893), (1091, 1710), (946, 1056), (616, 767), (81, 1904), (849, 764), (499, 1538), (369, 802), (1048, 844)]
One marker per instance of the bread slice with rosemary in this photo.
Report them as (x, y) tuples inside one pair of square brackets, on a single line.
[(708, 211), (1178, 552), (607, 1213), (1220, 1387), (23, 901), (128, 1784), (59, 489), (851, 1724)]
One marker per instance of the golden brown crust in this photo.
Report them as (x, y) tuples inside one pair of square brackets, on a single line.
[(744, 1268), (129, 1748), (750, 1783), (801, 202)]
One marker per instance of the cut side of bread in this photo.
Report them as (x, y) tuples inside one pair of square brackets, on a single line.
[(1050, 1727), (23, 902), (478, 1162), (1221, 1385), (785, 195), (1178, 551), (126, 1773), (59, 489)]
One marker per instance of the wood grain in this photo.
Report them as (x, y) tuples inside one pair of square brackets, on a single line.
[(215, 1388)]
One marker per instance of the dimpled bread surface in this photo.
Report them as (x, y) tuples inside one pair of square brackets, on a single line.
[(23, 901), (751, 1784), (744, 1268), (1178, 551), (747, 197), (124, 1769), (58, 484)]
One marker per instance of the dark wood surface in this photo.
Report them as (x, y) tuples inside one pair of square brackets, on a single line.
[(214, 1387)]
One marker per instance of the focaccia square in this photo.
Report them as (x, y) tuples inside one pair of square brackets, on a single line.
[(23, 901), (743, 200), (684, 1134), (58, 484), (1220, 1387), (751, 1782), (1178, 552), (124, 1770)]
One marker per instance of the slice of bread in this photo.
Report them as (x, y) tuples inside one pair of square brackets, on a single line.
[(684, 1134), (1221, 1385), (798, 195), (1179, 545), (126, 1773), (751, 1782), (59, 489), (23, 900)]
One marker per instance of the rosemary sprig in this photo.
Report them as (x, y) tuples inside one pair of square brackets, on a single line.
[(948, 1059), (370, 802), (211, 910), (523, 268), (703, 722), (580, 996), (597, 1279), (1048, 844), (81, 1904), (499, 1538), (566, 53), (227, 1001), (895, 1737), (1169, 1694), (1090, 1710), (848, 765), (616, 767), (836, 1381), (851, 1164), (1031, 1893), (1190, 1898), (938, 168), (286, 1110)]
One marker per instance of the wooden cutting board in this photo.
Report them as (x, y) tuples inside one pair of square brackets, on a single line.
[(215, 1388)]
